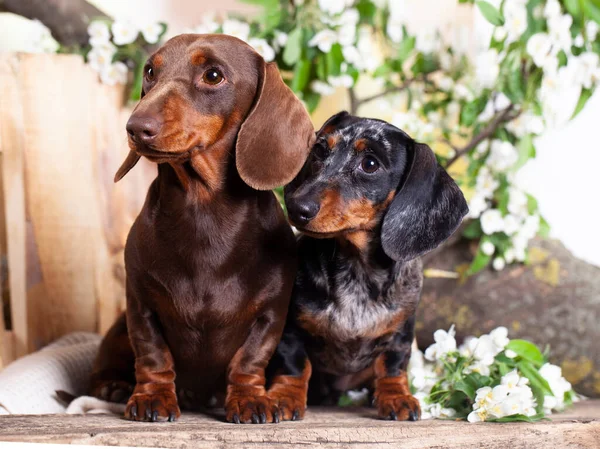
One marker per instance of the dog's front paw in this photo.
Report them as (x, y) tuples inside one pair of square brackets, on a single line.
[(153, 406), (245, 407), (397, 406), (291, 402), (112, 391)]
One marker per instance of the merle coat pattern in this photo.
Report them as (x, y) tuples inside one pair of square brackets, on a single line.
[(369, 202)]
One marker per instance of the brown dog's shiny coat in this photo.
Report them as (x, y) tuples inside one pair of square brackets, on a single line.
[(210, 260)]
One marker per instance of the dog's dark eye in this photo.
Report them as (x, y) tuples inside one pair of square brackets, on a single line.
[(213, 77), (369, 164), (149, 74)]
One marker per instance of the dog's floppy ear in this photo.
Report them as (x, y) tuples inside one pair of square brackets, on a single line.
[(276, 137), (129, 162), (333, 122), (426, 210)]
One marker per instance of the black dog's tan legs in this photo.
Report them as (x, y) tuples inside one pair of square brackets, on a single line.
[(392, 397)]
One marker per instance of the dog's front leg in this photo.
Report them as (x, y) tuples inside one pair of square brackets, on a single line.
[(393, 398), (247, 400), (154, 397)]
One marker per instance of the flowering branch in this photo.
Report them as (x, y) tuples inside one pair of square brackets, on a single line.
[(501, 117)]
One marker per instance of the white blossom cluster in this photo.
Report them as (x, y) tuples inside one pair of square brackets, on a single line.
[(511, 396), (41, 40), (105, 42)]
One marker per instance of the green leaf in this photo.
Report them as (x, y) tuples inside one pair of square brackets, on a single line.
[(366, 9), (312, 100), (526, 151), (535, 378), (518, 418), (406, 47), (293, 47), (573, 7), (526, 350), (592, 10), (583, 98), (532, 204), (490, 13), (301, 75), (334, 59), (467, 389), (473, 230), (544, 230), (322, 68), (479, 263)]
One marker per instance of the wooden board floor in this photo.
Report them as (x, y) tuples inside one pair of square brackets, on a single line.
[(323, 427)]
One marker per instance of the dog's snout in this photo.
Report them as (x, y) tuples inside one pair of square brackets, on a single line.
[(303, 210), (143, 129)]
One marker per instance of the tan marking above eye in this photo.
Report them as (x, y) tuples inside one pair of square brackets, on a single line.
[(198, 58), (361, 145), (157, 61), (332, 141)]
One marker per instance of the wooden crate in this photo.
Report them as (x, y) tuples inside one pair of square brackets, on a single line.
[(62, 138)]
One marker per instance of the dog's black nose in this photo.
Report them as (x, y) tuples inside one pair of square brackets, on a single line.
[(301, 212), (144, 128)]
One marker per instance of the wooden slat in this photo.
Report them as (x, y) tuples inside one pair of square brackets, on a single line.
[(13, 144), (321, 428)]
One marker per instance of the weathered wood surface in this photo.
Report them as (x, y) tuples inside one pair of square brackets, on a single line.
[(62, 137), (328, 428), (554, 301)]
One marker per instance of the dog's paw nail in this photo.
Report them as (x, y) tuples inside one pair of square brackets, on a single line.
[(236, 419), (148, 414), (133, 411), (255, 419), (171, 417), (155, 416), (276, 417), (413, 416), (263, 418), (393, 416), (295, 415)]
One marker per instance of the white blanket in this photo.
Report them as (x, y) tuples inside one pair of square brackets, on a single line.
[(28, 385)]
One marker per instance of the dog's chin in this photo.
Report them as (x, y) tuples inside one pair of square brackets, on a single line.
[(158, 155), (318, 234)]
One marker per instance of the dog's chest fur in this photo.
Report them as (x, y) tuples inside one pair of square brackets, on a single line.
[(354, 308)]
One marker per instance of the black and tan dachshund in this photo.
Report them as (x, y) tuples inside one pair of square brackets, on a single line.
[(369, 201)]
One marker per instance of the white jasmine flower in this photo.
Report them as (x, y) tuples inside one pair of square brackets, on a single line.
[(124, 32), (151, 32), (487, 68), (517, 202), (486, 184), (510, 353), (539, 47), (347, 34), (488, 248), (349, 17), (500, 338), (462, 92), (579, 41), (526, 123), (341, 81), (427, 41), (98, 32), (322, 88), (500, 34), (236, 28), (552, 9), (444, 343), (115, 73), (477, 206), (503, 155), (515, 16), (492, 221), (324, 40), (445, 83), (100, 57), (209, 24), (531, 226), (262, 48), (560, 32), (509, 257), (367, 47), (352, 55), (513, 381), (395, 31), (585, 68), (280, 40), (511, 224), (333, 7), (591, 29)]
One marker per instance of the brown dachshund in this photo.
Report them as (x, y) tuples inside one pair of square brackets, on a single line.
[(210, 259)]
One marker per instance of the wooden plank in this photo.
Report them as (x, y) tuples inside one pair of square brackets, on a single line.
[(12, 145), (324, 428), (60, 194)]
